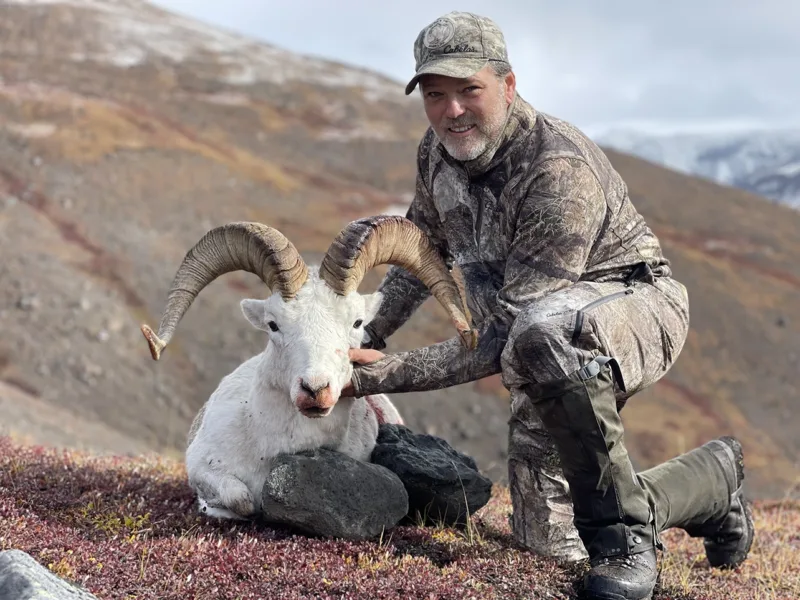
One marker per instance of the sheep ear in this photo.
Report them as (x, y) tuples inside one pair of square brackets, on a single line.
[(253, 311), (372, 302)]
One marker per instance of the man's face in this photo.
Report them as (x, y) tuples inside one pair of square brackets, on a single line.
[(467, 114)]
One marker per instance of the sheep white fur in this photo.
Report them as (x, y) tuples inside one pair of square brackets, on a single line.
[(255, 412)]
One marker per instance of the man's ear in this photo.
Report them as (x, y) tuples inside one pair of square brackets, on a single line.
[(372, 302), (253, 311), (511, 86)]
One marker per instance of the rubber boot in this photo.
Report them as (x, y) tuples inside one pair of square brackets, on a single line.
[(715, 510), (612, 510), (728, 539)]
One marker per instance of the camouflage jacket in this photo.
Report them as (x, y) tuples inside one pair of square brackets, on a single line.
[(537, 212)]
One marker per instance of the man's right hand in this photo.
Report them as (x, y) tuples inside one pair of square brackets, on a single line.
[(363, 356)]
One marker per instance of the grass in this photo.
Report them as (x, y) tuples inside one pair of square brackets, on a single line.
[(126, 528)]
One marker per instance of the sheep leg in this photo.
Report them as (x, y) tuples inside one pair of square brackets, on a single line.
[(216, 512), (223, 496), (384, 410)]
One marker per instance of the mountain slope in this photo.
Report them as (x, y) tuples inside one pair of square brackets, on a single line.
[(126, 132), (766, 163), (738, 257)]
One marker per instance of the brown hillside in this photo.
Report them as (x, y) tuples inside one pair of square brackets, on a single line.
[(126, 132), (739, 256)]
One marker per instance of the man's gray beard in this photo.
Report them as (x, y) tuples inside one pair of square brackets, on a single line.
[(464, 152)]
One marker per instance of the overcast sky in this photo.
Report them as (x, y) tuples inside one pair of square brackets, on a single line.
[(682, 65)]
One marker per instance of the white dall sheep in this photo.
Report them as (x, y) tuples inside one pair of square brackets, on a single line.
[(287, 398)]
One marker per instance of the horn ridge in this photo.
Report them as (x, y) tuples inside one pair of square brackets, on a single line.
[(238, 246), (392, 239)]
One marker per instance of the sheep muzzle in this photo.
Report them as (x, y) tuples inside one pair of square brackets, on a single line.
[(315, 403)]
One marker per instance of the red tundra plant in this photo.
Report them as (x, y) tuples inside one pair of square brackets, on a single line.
[(127, 527)]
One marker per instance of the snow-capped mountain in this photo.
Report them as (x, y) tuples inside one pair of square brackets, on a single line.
[(763, 162)]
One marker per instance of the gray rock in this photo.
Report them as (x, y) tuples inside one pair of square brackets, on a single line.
[(443, 484), (329, 494), (22, 578)]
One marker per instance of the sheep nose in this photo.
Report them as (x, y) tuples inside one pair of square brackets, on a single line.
[(315, 397), (312, 390)]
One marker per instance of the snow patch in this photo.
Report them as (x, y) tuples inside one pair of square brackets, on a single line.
[(368, 131), (712, 244), (241, 75), (226, 99), (35, 130), (395, 209), (130, 57), (130, 31), (400, 208)]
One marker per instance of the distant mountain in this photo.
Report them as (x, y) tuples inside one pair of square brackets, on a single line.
[(766, 163)]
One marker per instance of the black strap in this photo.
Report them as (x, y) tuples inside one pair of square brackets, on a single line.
[(641, 272)]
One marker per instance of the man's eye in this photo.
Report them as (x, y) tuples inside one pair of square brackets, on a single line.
[(357, 324), (273, 325)]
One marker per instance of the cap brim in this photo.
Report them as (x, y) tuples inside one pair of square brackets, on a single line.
[(453, 66)]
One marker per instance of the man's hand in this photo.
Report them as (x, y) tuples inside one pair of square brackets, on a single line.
[(362, 356)]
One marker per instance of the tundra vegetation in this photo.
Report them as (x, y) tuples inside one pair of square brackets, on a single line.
[(124, 527)]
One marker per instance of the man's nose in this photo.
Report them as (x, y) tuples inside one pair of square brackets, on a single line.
[(454, 109)]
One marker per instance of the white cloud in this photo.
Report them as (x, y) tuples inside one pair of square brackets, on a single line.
[(715, 63)]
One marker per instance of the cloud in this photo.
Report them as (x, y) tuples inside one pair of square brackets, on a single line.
[(674, 65)]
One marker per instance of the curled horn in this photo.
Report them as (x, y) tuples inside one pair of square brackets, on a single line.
[(395, 240), (241, 246)]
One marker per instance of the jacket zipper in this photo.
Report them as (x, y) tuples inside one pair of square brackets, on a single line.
[(593, 304), (478, 226), (605, 299)]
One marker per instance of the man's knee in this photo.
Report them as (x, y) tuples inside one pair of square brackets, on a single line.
[(545, 342)]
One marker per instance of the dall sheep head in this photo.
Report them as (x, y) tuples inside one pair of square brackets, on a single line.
[(312, 319)]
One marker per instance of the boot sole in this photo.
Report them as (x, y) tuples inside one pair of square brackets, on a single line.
[(738, 454), (597, 589), (613, 596)]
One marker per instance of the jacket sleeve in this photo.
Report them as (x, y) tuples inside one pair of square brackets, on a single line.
[(556, 226), (403, 293)]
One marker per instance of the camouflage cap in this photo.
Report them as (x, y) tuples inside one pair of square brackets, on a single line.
[(458, 44)]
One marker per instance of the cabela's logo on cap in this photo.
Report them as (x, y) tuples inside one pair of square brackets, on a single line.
[(439, 33)]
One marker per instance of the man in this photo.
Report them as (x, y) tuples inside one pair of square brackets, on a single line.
[(576, 307)]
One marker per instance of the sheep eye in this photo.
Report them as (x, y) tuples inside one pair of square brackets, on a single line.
[(357, 324), (273, 325)]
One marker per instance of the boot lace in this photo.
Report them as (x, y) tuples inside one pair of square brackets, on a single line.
[(625, 561)]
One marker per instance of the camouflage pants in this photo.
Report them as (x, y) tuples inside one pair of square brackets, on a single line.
[(643, 327)]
